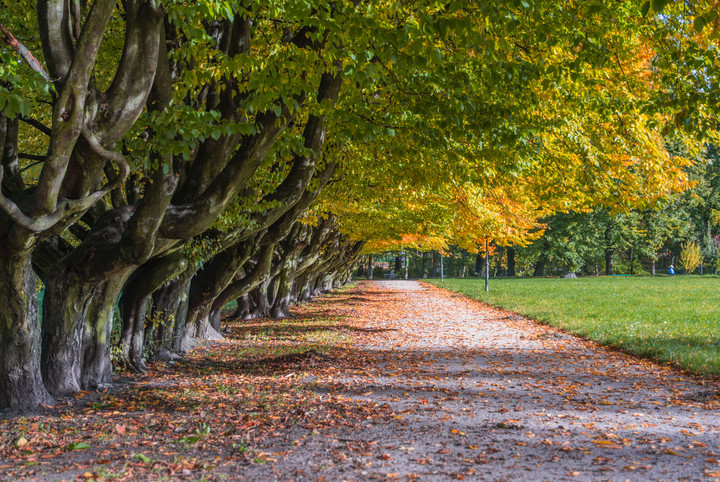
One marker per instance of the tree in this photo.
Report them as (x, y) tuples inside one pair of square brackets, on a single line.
[(185, 141), (86, 121)]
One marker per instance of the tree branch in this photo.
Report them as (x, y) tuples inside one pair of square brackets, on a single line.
[(23, 51), (69, 109), (14, 183), (68, 207), (133, 79), (32, 157), (114, 156), (65, 209), (37, 125)]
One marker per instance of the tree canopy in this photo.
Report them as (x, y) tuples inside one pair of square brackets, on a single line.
[(175, 155)]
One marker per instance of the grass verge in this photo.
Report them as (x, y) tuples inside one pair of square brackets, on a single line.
[(670, 319)]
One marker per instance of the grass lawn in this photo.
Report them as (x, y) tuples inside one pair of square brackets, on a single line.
[(671, 319)]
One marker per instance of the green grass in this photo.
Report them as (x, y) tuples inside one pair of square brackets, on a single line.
[(670, 319)]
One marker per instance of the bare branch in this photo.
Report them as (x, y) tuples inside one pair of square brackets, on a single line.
[(32, 157), (15, 212), (76, 18), (36, 124), (68, 207), (23, 51), (113, 156)]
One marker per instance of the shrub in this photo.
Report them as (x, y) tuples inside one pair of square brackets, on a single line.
[(690, 257)]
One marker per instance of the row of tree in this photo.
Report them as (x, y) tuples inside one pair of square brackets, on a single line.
[(178, 163), (173, 156)]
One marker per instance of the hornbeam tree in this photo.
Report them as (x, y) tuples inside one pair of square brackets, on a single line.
[(179, 195), (86, 122), (175, 123)]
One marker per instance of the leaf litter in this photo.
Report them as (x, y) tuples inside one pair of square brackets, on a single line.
[(386, 380)]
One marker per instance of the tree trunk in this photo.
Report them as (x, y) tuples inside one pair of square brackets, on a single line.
[(78, 313), (328, 283), (205, 287), (479, 264), (510, 261), (317, 285), (281, 304), (370, 266), (540, 266), (303, 294), (135, 300), (243, 306), (424, 267), (435, 264), (170, 308), (96, 368), (133, 309), (245, 282), (21, 384), (609, 268), (260, 301)]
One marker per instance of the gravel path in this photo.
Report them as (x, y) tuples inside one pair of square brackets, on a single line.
[(481, 394)]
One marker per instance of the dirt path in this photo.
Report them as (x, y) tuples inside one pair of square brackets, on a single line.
[(477, 393)]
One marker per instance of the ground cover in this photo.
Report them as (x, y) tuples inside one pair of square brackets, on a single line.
[(239, 403), (393, 380), (670, 319)]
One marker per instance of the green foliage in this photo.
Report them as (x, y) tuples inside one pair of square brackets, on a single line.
[(77, 446), (200, 433), (142, 458)]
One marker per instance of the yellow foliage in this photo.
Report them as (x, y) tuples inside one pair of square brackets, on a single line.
[(690, 257)]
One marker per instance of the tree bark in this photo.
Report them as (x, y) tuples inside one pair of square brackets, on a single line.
[(281, 304), (21, 384), (80, 296), (510, 261), (540, 266), (134, 304), (205, 287), (243, 306), (609, 267), (77, 323), (260, 301), (170, 306)]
